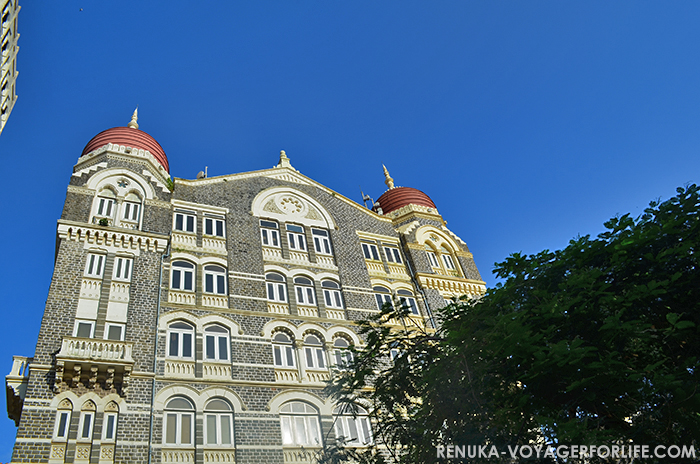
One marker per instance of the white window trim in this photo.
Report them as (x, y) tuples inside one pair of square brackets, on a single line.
[(342, 424), (219, 441), (308, 295), (334, 296), (217, 352), (83, 416), (180, 345), (216, 282), (183, 270), (322, 241), (113, 324), (185, 215), (296, 241), (214, 220), (316, 353), (95, 265), (123, 265), (393, 255), (84, 321), (66, 430), (105, 420), (371, 250), (178, 428)]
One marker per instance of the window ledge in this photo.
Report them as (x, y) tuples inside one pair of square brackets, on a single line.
[(179, 368), (215, 301), (181, 297)]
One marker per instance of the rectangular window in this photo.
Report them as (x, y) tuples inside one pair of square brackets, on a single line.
[(131, 211), (393, 255), (86, 427), (104, 207), (62, 424), (283, 355), (315, 358), (382, 298), (122, 268), (110, 426), (449, 264), (269, 233), (321, 242), (433, 259), (370, 251), (83, 329), (114, 332), (409, 303), (185, 221), (94, 265), (295, 235), (214, 226)]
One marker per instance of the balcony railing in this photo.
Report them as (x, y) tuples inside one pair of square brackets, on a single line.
[(16, 385), (88, 349)]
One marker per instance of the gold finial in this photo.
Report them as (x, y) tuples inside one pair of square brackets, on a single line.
[(389, 181), (284, 161), (134, 117)]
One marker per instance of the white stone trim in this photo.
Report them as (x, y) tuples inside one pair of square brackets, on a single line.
[(307, 207), (325, 408), (199, 207)]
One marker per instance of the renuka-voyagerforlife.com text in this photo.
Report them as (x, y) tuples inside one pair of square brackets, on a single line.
[(567, 451)]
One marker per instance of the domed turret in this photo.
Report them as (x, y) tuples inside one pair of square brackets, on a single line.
[(398, 197), (129, 136)]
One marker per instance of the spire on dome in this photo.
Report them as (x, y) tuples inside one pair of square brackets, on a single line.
[(284, 161), (389, 181), (134, 117)]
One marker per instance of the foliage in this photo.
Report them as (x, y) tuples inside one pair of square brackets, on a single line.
[(597, 343)]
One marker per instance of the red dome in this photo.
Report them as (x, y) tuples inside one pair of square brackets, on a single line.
[(399, 197), (129, 137)]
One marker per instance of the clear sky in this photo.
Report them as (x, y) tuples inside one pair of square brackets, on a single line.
[(527, 123)]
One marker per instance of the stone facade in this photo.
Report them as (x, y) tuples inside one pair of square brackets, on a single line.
[(198, 320)]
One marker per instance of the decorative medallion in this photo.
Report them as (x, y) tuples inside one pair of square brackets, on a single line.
[(123, 183)]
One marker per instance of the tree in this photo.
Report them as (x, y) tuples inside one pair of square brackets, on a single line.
[(597, 343)]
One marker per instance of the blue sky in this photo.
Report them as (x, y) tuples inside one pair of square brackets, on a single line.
[(527, 123)]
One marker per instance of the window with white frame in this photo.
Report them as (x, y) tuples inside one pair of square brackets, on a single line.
[(105, 204), (407, 300), (179, 422), (62, 422), (331, 294), (94, 265), (352, 425), (322, 243), (214, 225), (185, 221), (304, 289), (370, 251), (215, 279), (269, 233), (109, 426), (84, 329), (276, 287), (393, 255), (313, 353), (180, 337), (218, 423), (182, 276), (432, 259), (447, 259), (295, 237), (300, 424), (282, 350), (216, 342), (382, 295), (343, 355), (122, 268), (131, 208), (114, 331), (87, 421)]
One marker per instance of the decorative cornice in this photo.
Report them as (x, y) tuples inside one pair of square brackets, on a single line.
[(111, 236), (417, 211), (450, 284), (80, 190), (128, 153)]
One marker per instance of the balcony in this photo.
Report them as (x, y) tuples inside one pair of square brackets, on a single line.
[(16, 386), (182, 369), (214, 301), (214, 245), (184, 298), (93, 362), (318, 375), (335, 314)]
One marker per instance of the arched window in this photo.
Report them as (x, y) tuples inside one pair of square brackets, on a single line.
[(87, 421), (343, 355), (407, 300), (63, 420), (300, 425), (179, 422), (447, 258), (216, 341), (276, 287), (313, 350), (131, 208), (305, 291), (182, 276), (180, 336), (283, 350), (109, 423), (352, 425), (331, 293), (382, 295), (215, 279), (218, 423), (105, 204)]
